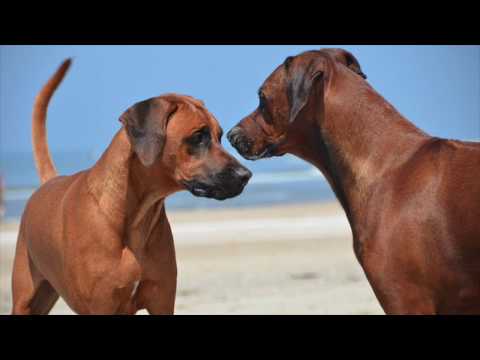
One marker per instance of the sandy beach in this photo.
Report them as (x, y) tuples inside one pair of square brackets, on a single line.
[(292, 259)]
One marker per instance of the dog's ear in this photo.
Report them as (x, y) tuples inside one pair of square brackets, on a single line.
[(146, 124), (349, 61), (300, 87), (288, 61)]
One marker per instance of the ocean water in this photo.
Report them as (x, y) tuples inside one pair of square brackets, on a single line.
[(279, 180)]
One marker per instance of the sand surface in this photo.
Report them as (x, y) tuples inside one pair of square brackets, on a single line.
[(293, 259)]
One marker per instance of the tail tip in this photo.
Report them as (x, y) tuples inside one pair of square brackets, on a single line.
[(66, 63)]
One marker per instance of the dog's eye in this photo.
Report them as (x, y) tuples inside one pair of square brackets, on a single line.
[(262, 106), (261, 100), (201, 137)]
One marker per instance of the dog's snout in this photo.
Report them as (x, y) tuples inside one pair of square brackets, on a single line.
[(238, 140), (243, 173), (231, 135), (234, 135)]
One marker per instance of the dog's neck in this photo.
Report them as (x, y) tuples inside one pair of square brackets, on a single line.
[(148, 188), (356, 143), (130, 195), (108, 180)]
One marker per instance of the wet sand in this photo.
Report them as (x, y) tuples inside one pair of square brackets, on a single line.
[(292, 259)]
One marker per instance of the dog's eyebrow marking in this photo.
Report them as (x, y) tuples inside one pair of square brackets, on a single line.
[(201, 128)]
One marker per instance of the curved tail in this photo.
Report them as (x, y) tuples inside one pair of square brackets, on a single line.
[(43, 161)]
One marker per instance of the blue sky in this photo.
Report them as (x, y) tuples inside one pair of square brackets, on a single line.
[(436, 87)]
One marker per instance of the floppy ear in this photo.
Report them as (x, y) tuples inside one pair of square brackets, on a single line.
[(349, 61), (300, 88), (353, 64), (146, 124)]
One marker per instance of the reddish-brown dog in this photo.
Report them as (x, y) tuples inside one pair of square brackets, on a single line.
[(100, 238), (412, 200)]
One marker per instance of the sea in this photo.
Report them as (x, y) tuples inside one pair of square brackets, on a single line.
[(275, 181)]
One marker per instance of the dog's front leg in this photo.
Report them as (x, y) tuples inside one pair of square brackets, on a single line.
[(157, 290), (158, 297)]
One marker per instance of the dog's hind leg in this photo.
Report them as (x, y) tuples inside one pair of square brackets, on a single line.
[(32, 294), (44, 299)]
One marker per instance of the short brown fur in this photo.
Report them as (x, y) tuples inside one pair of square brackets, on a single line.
[(412, 200), (100, 238)]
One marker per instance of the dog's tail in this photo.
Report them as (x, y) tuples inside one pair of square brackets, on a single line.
[(43, 160)]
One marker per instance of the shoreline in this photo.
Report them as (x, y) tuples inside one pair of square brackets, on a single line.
[(296, 210)]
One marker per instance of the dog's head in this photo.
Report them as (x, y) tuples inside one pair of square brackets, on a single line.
[(285, 113), (176, 134)]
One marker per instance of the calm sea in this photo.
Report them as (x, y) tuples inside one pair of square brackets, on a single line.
[(279, 180)]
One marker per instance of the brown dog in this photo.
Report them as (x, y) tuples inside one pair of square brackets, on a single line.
[(412, 200), (101, 238)]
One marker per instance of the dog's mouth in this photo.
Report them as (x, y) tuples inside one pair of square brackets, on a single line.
[(244, 145), (213, 192), (224, 185), (269, 151)]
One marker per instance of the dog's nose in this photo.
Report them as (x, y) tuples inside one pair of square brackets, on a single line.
[(243, 173), (233, 134), (238, 140)]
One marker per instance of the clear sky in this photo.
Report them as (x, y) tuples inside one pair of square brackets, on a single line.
[(436, 87)]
